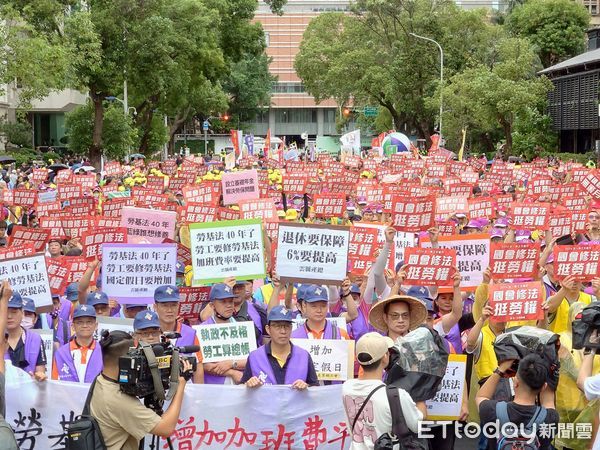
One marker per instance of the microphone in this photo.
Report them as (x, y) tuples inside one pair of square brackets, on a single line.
[(158, 350), (189, 349)]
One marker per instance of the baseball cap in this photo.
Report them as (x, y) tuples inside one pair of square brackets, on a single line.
[(420, 292), (522, 235), (474, 223), (315, 293), (180, 268), (166, 294), (301, 292), (355, 289), (84, 311), (28, 305), (220, 291), (371, 347), (130, 306), (16, 301), (146, 319), (72, 291), (279, 314), (97, 298)]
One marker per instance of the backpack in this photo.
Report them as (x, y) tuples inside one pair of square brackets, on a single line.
[(84, 432), (401, 435), (519, 442)]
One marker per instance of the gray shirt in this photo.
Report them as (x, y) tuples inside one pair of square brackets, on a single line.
[(7, 437)]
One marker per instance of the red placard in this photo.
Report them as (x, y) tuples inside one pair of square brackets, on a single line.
[(191, 300), (228, 214), (75, 226), (203, 193), (329, 205), (530, 216), (429, 266), (448, 206), (58, 274), (413, 214), (112, 169), (114, 207), (38, 175), (198, 212), (177, 184), (578, 222), (108, 222), (47, 209), (511, 261), (83, 206), (87, 181), (481, 207), (560, 224), (574, 203), (262, 208), (362, 248), (68, 191), (77, 266), (54, 226), (581, 261), (591, 183), (516, 301), (16, 251), (24, 197), (63, 176), (21, 235), (92, 240), (539, 186), (294, 183)]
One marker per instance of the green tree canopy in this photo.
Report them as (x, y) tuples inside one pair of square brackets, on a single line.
[(556, 27)]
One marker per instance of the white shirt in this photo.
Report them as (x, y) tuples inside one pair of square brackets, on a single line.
[(591, 389), (376, 417)]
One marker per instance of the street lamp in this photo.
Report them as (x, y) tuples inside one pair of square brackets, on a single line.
[(441, 77), (126, 109)]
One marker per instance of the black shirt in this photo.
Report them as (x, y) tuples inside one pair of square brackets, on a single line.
[(279, 372), (17, 355), (518, 414)]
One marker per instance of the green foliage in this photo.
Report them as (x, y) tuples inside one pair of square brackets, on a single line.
[(119, 135), (533, 133), (24, 155), (556, 27), (157, 137), (17, 134), (51, 156)]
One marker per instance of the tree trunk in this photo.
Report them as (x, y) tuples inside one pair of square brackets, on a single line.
[(507, 127), (96, 148), (145, 141)]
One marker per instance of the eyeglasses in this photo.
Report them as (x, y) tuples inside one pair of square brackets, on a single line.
[(148, 334), (396, 316), (281, 325)]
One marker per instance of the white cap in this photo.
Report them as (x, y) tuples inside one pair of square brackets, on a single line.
[(372, 347)]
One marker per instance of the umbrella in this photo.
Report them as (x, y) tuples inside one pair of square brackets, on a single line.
[(88, 168), (137, 155), (57, 167), (7, 159)]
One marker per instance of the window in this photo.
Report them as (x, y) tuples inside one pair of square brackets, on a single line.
[(267, 38), (287, 88)]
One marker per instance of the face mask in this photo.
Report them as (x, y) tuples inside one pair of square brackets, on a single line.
[(27, 323)]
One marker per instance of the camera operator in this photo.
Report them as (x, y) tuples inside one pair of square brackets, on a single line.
[(122, 418), (590, 385)]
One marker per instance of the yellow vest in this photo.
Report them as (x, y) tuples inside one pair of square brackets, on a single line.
[(559, 323), (487, 362)]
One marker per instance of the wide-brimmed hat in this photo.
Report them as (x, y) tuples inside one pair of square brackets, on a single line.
[(418, 312)]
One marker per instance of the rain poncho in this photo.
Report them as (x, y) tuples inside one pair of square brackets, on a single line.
[(418, 363)]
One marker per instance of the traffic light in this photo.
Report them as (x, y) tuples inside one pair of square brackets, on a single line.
[(226, 118), (346, 112)]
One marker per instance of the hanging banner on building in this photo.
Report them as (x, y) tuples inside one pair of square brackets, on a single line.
[(333, 358), (131, 272), (226, 341), (448, 400), (248, 418), (29, 277), (312, 253), (227, 248), (472, 256)]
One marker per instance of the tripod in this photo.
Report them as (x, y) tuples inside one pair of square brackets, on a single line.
[(155, 405)]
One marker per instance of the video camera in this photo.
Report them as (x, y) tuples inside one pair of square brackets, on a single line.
[(152, 372), (584, 324)]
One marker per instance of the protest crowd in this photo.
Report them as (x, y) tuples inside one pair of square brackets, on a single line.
[(394, 297)]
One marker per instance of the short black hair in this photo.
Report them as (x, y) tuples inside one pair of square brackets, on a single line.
[(368, 367), (114, 345), (533, 371), (386, 307)]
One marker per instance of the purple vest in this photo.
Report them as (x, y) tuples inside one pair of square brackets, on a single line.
[(66, 367), (64, 311), (296, 369), (59, 333), (33, 346), (454, 337), (302, 332), (255, 316)]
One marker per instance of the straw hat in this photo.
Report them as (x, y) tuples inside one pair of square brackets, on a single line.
[(418, 312)]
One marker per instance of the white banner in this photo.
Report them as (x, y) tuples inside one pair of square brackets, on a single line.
[(448, 400), (28, 276), (48, 341), (226, 341), (314, 253), (212, 417), (402, 240), (333, 358), (340, 322), (131, 272)]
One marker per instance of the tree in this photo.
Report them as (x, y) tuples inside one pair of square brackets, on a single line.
[(556, 27), (370, 58), (119, 135), (497, 94)]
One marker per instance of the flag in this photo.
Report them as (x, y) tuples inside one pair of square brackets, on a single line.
[(249, 141), (267, 148), (378, 141), (462, 146), (236, 140), (351, 141)]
